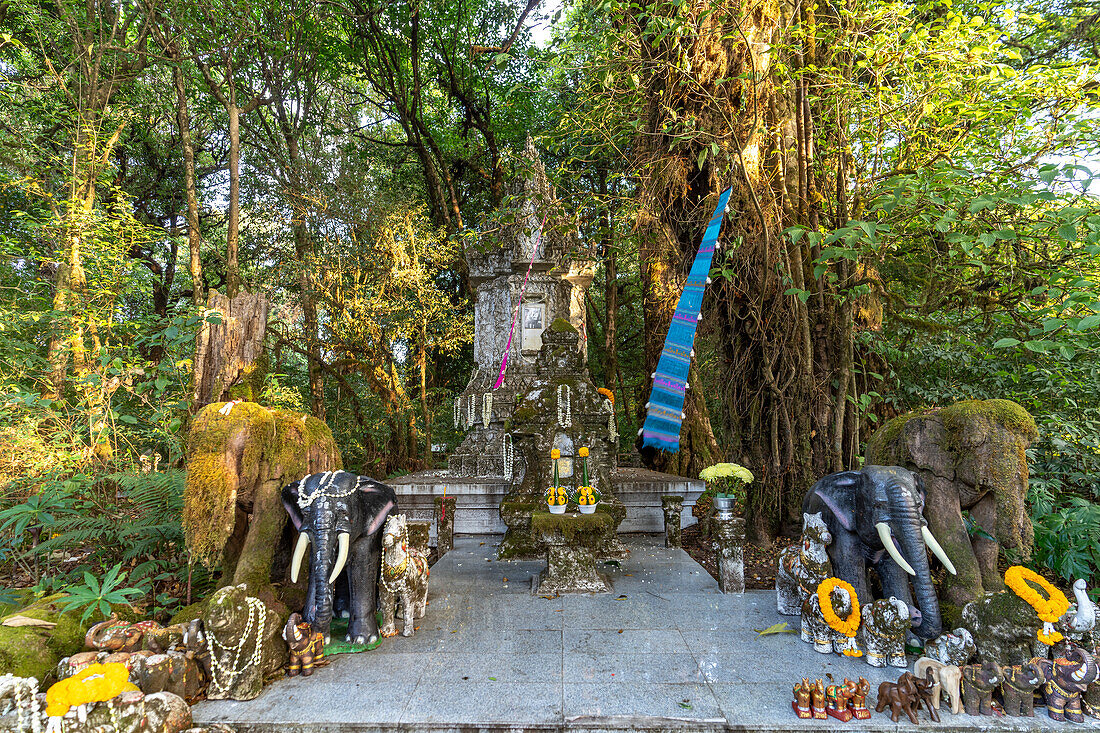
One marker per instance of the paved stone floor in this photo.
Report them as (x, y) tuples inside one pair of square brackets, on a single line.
[(664, 651)]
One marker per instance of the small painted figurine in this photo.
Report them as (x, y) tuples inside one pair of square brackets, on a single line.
[(1066, 679), (817, 700), (1018, 688), (836, 701), (885, 622), (901, 697), (859, 699), (801, 568), (978, 681), (956, 647), (946, 680), (307, 647), (801, 703), (114, 635), (404, 576), (924, 695)]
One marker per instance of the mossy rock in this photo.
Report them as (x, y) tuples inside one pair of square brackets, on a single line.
[(1005, 413), (560, 325), (588, 530), (32, 651)]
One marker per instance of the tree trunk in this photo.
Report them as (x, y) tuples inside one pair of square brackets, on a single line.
[(232, 227), (194, 234), (228, 352)]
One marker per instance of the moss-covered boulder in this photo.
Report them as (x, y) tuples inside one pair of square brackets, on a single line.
[(34, 651), (971, 457), (1004, 628), (238, 461)]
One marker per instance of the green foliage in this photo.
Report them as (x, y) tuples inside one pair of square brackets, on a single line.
[(93, 595)]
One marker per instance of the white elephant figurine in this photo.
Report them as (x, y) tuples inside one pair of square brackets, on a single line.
[(885, 623), (817, 631), (946, 679), (955, 647)]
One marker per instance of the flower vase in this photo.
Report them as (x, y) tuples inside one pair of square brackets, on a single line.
[(587, 508), (556, 508)]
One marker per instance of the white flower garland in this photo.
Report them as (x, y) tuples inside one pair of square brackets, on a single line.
[(612, 424), (306, 497), (457, 409), (486, 409), (25, 697), (565, 407), (470, 412), (508, 451)]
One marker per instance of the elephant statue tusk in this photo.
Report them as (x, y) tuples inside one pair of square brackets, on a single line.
[(299, 553), (934, 546), (888, 542), (341, 556)]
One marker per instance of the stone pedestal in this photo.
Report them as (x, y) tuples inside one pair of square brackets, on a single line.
[(571, 542), (729, 542), (673, 506), (445, 523)]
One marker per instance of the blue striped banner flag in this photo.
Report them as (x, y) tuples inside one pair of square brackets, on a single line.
[(665, 409)]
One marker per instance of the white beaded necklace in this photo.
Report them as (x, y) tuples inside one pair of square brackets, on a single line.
[(401, 582), (457, 409), (565, 407), (306, 498), (612, 425), (25, 694), (507, 451), (470, 411), (256, 610)]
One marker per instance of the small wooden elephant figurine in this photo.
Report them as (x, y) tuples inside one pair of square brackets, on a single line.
[(978, 682), (404, 577), (307, 647), (885, 622), (1018, 688), (946, 680), (901, 696)]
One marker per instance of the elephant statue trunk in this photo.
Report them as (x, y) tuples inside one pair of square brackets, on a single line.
[(906, 528)]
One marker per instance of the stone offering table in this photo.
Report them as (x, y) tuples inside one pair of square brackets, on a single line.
[(572, 541)]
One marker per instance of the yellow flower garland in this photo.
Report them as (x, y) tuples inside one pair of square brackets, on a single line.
[(847, 626), (1050, 609), (94, 683)]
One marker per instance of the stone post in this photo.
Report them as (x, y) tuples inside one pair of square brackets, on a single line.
[(673, 506), (445, 524), (729, 540)]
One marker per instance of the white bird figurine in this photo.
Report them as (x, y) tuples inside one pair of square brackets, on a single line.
[(1084, 617)]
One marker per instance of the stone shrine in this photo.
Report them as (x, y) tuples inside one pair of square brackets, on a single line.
[(547, 400)]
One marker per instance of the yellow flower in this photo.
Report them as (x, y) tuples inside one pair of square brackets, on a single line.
[(555, 454), (606, 393), (583, 451), (94, 683), (847, 626)]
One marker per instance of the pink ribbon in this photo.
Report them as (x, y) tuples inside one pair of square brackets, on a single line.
[(515, 316)]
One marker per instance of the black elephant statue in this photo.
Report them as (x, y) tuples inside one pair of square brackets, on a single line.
[(1066, 679), (341, 515), (875, 518)]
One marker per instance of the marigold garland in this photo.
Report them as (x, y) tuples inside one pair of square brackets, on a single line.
[(94, 683), (847, 626), (606, 393), (1050, 609)]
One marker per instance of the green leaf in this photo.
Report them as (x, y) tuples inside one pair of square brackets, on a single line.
[(1068, 232), (1089, 322), (779, 628)]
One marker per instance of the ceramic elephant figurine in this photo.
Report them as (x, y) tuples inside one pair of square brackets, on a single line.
[(341, 516), (307, 647), (885, 623), (1065, 680), (875, 518), (114, 635), (1018, 688), (801, 568), (946, 680), (404, 577), (954, 647), (978, 682), (817, 631)]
